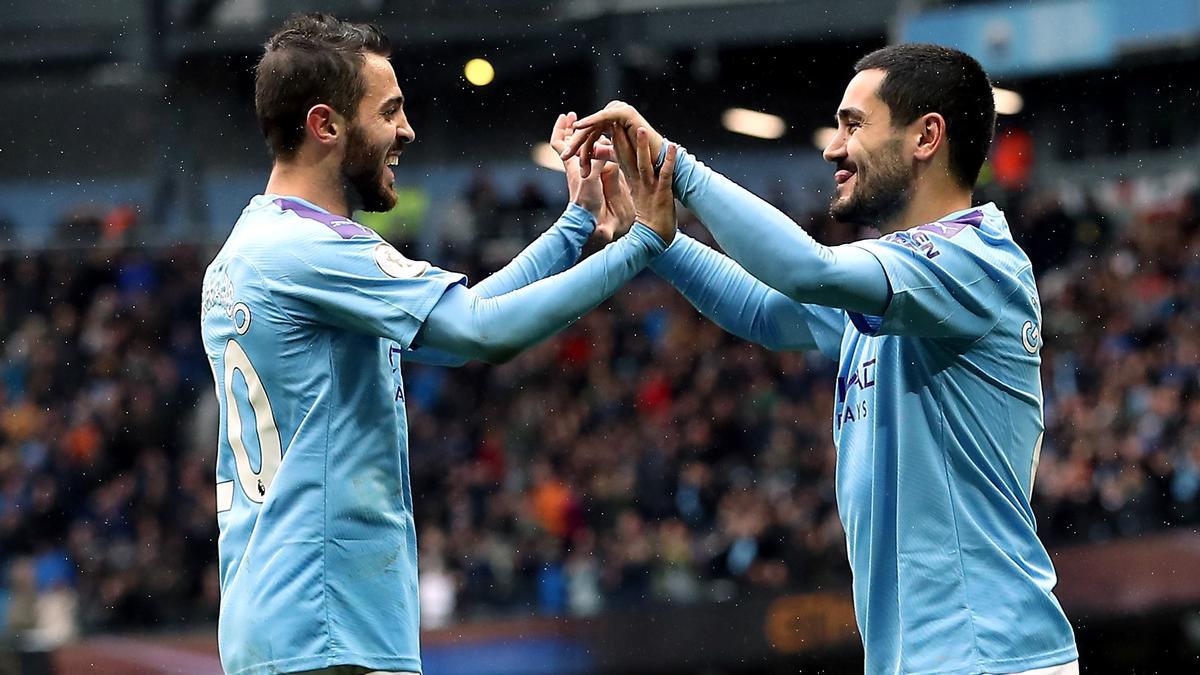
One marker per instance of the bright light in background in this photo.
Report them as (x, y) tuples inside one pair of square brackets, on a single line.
[(545, 156), (753, 123), (823, 137), (479, 72), (1008, 102)]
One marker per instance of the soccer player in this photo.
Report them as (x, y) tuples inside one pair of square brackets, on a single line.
[(306, 318), (936, 325)]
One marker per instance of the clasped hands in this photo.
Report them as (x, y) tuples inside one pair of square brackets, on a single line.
[(609, 159)]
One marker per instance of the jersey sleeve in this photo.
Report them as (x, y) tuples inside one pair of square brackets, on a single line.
[(554, 251), (941, 286), (360, 283), (496, 329), (773, 248), (728, 295)]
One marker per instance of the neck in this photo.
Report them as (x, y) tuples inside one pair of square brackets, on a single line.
[(312, 183), (930, 201)]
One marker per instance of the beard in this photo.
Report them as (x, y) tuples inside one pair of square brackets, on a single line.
[(879, 195), (363, 173)]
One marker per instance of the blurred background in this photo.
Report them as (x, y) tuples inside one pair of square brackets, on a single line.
[(643, 493)]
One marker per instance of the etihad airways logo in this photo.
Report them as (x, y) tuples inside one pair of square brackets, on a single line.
[(861, 379)]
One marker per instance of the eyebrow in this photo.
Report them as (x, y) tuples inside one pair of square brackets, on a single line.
[(850, 113), (397, 100)]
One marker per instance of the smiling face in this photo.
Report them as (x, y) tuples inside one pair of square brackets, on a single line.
[(874, 175), (376, 137)]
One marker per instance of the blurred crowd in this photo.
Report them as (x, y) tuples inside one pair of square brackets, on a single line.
[(641, 456), (106, 507)]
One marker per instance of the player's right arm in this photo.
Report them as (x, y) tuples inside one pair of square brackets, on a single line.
[(752, 295), (728, 295), (763, 240)]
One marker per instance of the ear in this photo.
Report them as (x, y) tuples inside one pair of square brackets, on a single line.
[(323, 124), (930, 129)]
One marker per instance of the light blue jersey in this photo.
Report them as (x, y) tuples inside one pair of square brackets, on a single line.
[(938, 440), (937, 422), (304, 318)]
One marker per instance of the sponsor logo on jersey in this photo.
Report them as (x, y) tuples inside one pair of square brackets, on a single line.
[(862, 378), (916, 240)]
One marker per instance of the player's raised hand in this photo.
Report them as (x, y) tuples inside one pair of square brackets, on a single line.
[(558, 140), (586, 192), (615, 118), (562, 129), (619, 211), (653, 196)]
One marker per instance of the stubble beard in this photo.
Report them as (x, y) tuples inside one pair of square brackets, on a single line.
[(884, 194), (363, 175)]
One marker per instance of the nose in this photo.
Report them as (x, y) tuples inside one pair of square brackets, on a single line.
[(404, 130), (836, 150)]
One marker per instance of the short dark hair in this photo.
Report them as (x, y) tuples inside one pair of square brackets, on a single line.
[(924, 78), (313, 58)]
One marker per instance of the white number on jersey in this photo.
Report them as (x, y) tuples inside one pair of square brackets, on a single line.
[(254, 484)]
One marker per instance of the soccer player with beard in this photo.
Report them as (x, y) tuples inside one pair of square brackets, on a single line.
[(306, 317), (936, 326)]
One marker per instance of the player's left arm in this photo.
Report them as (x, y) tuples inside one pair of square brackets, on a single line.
[(356, 282), (362, 284), (554, 251), (588, 214), (599, 208), (496, 329)]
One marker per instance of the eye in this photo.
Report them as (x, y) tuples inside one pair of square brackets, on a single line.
[(851, 126)]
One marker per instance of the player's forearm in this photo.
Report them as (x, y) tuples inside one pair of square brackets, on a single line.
[(554, 251), (731, 298), (776, 250), (496, 329)]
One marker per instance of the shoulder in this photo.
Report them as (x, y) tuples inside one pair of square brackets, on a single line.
[(980, 234)]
